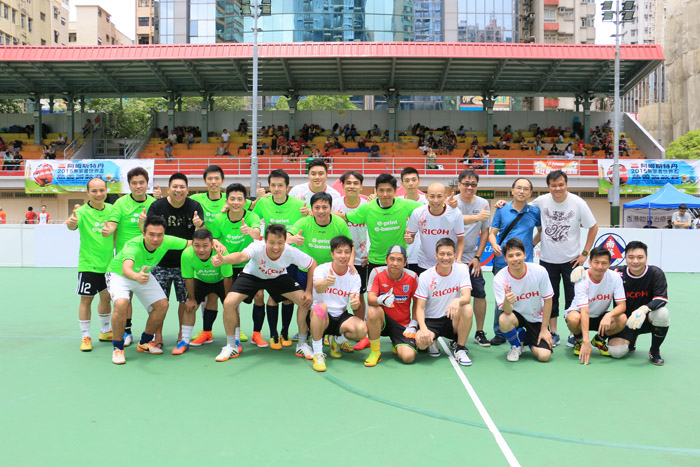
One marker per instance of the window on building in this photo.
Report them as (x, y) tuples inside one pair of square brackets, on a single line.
[(14, 16), (144, 3), (143, 21), (56, 13), (42, 16), (142, 40), (63, 21), (99, 13), (72, 37), (22, 21), (107, 37), (107, 18), (567, 12), (588, 22), (6, 12), (99, 41), (550, 15), (43, 42), (550, 38), (15, 41), (29, 24), (56, 37)]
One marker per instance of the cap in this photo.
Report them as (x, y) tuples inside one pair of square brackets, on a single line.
[(397, 249), (682, 206)]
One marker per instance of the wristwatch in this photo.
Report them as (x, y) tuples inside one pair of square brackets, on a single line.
[(584, 253)]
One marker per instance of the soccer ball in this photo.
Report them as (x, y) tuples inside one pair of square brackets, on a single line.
[(624, 176), (43, 175)]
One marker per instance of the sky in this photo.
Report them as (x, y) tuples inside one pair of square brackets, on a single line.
[(122, 12)]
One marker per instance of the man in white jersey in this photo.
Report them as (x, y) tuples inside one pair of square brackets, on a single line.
[(266, 269), (335, 287), (524, 293), (443, 305), (433, 222), (410, 181), (318, 178), (44, 216), (589, 310)]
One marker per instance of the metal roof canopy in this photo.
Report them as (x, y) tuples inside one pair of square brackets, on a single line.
[(364, 68)]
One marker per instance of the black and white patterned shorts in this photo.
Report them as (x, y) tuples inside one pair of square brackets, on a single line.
[(171, 276)]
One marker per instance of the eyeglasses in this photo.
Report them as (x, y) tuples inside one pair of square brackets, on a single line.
[(521, 188), (466, 184)]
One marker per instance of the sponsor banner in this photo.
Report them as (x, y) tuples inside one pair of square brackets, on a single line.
[(567, 166), (475, 103), (647, 176), (641, 218), (69, 176)]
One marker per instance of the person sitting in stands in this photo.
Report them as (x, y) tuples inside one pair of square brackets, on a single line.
[(430, 160), (477, 162), (376, 131), (580, 149), (519, 138), (552, 132), (595, 143), (496, 131), (336, 144), (609, 153), (569, 151), (243, 127), (461, 131), (328, 144), (168, 151), (374, 153), (559, 139), (361, 143), (554, 150), (61, 140), (507, 134), (502, 144), (623, 146), (49, 152)]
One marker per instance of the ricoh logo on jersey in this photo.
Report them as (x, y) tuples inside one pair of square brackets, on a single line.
[(641, 294), (350, 224), (448, 291), (334, 291), (270, 272), (528, 295), (600, 297), (435, 232)]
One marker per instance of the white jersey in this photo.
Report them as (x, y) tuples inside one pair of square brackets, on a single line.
[(44, 218), (432, 228), (438, 291), (337, 296), (598, 296), (262, 266), (531, 290), (358, 232), (304, 193), (413, 249)]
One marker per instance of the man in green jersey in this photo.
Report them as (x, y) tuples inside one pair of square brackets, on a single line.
[(129, 273), (95, 254), (204, 283), (125, 220), (212, 201)]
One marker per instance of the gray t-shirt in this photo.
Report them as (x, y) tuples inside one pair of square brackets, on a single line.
[(472, 231), (677, 217)]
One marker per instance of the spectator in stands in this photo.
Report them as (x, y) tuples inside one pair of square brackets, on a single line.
[(29, 129), (580, 149), (328, 144), (519, 138), (607, 126), (353, 132), (609, 152), (17, 161), (623, 146), (376, 131), (451, 143), (327, 158), (295, 148), (30, 216), (559, 139), (595, 143), (361, 143), (475, 142), (538, 145), (496, 131), (243, 127), (8, 160), (273, 143), (226, 138), (189, 138), (554, 150), (682, 219), (385, 136), (49, 152), (87, 128), (552, 132), (283, 147), (3, 216), (285, 132), (477, 161), (44, 217), (172, 137), (502, 144), (374, 153), (337, 144), (431, 160), (507, 134), (669, 224), (569, 151), (461, 132), (168, 151), (61, 141), (2, 144)]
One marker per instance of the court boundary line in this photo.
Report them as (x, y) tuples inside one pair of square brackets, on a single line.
[(502, 444)]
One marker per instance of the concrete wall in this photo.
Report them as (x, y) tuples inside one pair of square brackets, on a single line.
[(58, 123), (648, 117), (58, 206)]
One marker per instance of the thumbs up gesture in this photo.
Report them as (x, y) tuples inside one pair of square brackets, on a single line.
[(157, 193), (261, 192), (72, 221), (142, 216), (304, 210), (217, 260), (408, 237), (452, 201), (330, 280), (354, 301), (372, 196), (483, 215), (197, 221), (510, 296), (298, 239), (142, 276), (245, 230)]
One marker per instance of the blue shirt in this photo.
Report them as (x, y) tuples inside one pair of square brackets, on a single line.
[(522, 230)]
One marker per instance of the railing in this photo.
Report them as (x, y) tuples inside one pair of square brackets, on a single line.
[(70, 150), (134, 148)]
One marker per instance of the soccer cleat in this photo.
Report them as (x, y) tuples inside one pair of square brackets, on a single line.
[(275, 343), (118, 357), (454, 345), (556, 339), (655, 358), (295, 337), (335, 348), (514, 353), (480, 338), (373, 358), (304, 351), (433, 350), (362, 344), (286, 341), (393, 350), (204, 337), (462, 356), (326, 341), (319, 362), (347, 347), (571, 341), (86, 344), (632, 346), (599, 342), (577, 348), (128, 339), (227, 352), (258, 340), (181, 348), (106, 336), (149, 347), (498, 340), (243, 337)]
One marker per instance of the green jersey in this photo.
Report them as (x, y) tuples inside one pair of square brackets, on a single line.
[(96, 251), (318, 238), (385, 226), (194, 268), (229, 232), (286, 213), (211, 208), (135, 250), (126, 214)]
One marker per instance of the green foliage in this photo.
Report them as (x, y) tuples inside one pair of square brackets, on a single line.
[(221, 103), (318, 103), (685, 147), (10, 106)]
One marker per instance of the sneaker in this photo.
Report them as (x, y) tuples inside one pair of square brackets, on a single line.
[(86, 344), (373, 358), (335, 348), (304, 351), (258, 340), (227, 352), (286, 341), (393, 349), (556, 340), (320, 362), (149, 347), (498, 340), (118, 357), (204, 337), (347, 347), (454, 345), (325, 340), (571, 341), (462, 357), (480, 338), (514, 353), (632, 346), (599, 342), (243, 337), (362, 344), (106, 336), (577, 347), (181, 348), (128, 339), (295, 337), (275, 343), (656, 358), (433, 350)]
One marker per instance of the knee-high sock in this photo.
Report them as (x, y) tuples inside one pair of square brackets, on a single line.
[(258, 317), (272, 315), (287, 314), (658, 334), (208, 319)]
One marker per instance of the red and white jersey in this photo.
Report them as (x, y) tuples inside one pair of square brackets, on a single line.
[(431, 228), (337, 296), (413, 249), (304, 192), (264, 267), (598, 296), (358, 232), (404, 290), (531, 290), (44, 218), (438, 290)]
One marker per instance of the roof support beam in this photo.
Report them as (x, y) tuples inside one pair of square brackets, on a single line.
[(159, 74), (15, 74), (392, 76), (240, 74), (106, 77), (194, 74), (445, 70), (287, 73), (599, 75), (339, 65), (549, 74), (497, 73), (48, 73)]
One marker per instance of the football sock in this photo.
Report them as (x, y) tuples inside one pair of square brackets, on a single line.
[(127, 328), (231, 341), (208, 319), (303, 338), (118, 344), (105, 322), (258, 317), (579, 336), (318, 346), (658, 334), (340, 339), (186, 333), (512, 337), (272, 315), (374, 345), (84, 327), (287, 314), (146, 338), (237, 337)]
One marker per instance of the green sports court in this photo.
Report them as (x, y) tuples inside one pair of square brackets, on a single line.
[(61, 406)]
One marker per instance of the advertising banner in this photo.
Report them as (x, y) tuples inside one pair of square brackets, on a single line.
[(567, 166), (646, 176)]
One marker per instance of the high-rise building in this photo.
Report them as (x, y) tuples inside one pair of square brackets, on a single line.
[(94, 26), (59, 22), (145, 22), (25, 22)]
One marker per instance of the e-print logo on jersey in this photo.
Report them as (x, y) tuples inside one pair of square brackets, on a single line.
[(615, 244)]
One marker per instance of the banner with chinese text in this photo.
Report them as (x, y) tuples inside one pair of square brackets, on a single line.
[(647, 176), (566, 166)]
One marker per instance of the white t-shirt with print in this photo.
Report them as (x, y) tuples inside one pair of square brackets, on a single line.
[(413, 249), (262, 266), (337, 296), (358, 232), (531, 290), (472, 231), (304, 192), (432, 228), (598, 296), (438, 290)]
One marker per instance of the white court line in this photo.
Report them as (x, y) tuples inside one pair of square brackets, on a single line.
[(505, 449)]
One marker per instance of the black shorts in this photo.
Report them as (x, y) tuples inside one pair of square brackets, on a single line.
[(630, 335), (334, 323), (394, 331), (478, 285), (203, 289), (91, 283), (441, 327), (247, 284), (532, 332), (298, 275), (362, 271), (417, 269), (236, 273), (171, 276)]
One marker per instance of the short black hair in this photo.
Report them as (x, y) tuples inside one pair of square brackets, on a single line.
[(340, 240), (445, 241), (321, 196), (522, 178), (275, 229), (178, 176), (683, 206), (467, 173), (634, 244), (409, 171), (154, 220), (236, 187), (352, 173), (278, 173), (30, 208), (513, 243), (135, 172), (385, 178), (212, 169), (87, 187), (318, 163), (600, 251), (203, 234), (555, 174)]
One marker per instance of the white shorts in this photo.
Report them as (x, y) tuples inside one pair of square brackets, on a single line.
[(120, 287)]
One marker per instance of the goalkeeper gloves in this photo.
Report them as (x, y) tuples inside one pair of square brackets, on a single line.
[(411, 329), (386, 299), (637, 317), (577, 274)]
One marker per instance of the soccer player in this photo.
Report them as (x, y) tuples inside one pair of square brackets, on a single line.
[(95, 254), (125, 220), (335, 287), (443, 304), (589, 310), (431, 223), (204, 283), (212, 201), (44, 216), (318, 178), (524, 294), (391, 294), (410, 181), (266, 269), (129, 273)]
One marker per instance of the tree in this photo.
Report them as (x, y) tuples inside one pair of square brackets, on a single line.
[(10, 106), (685, 147), (221, 103), (131, 117), (318, 103)]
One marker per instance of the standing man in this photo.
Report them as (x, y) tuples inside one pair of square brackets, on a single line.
[(475, 217), (225, 139), (30, 216), (44, 217), (318, 178), (94, 257), (516, 219), (410, 181), (212, 201), (681, 219), (3, 216)]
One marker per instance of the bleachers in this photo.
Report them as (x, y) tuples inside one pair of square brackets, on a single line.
[(29, 149)]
